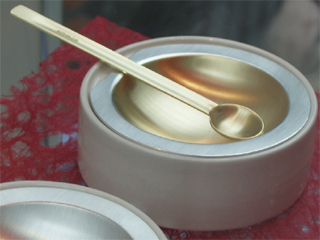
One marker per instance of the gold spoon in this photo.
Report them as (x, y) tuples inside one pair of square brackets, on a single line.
[(230, 120)]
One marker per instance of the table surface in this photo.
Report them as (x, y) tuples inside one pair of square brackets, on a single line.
[(39, 137)]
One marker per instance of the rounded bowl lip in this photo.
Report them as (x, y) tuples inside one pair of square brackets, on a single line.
[(63, 193), (244, 147)]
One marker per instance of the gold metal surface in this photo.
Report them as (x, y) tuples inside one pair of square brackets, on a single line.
[(220, 79)]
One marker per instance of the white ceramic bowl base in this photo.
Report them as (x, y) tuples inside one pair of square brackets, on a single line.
[(194, 192)]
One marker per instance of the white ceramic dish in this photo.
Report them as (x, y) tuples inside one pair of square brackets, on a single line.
[(190, 190), (49, 210)]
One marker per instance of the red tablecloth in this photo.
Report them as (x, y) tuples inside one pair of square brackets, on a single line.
[(47, 108)]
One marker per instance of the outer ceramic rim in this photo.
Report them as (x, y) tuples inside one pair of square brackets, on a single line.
[(298, 96), (90, 199)]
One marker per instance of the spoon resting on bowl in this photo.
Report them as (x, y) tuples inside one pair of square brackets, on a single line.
[(230, 120)]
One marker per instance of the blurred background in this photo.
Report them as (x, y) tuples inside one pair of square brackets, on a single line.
[(287, 28)]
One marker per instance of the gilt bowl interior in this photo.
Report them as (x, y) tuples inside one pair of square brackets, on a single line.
[(220, 79)]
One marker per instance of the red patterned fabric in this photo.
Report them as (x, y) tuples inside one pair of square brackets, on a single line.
[(47, 108)]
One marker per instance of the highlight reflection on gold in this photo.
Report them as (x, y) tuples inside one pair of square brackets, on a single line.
[(220, 79)]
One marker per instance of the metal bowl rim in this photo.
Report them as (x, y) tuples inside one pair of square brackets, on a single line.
[(146, 227), (290, 82)]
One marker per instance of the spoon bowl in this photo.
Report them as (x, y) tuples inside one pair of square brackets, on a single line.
[(236, 121)]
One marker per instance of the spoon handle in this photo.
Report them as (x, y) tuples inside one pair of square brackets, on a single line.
[(114, 59)]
